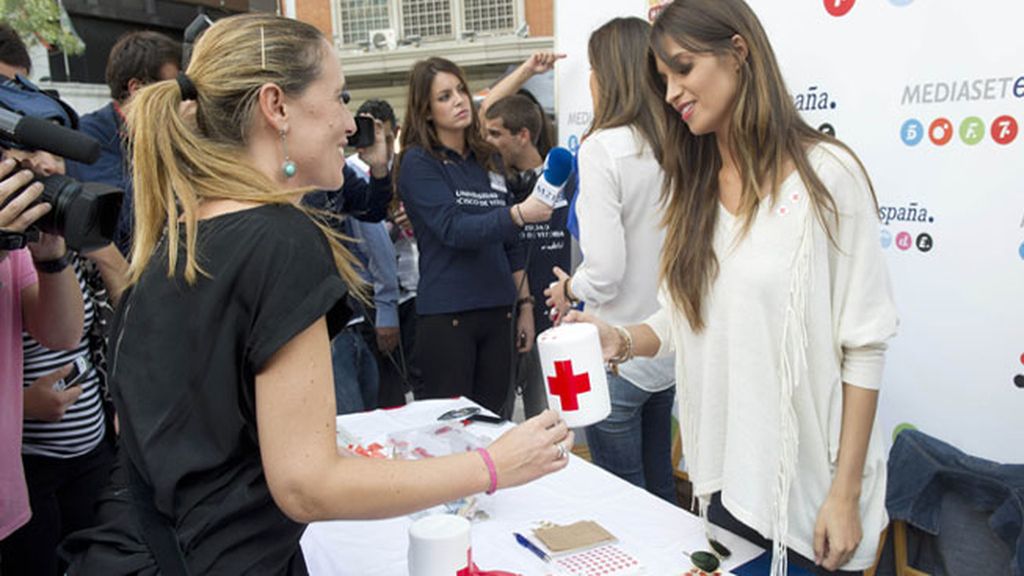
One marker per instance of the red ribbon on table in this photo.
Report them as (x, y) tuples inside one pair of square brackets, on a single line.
[(474, 570)]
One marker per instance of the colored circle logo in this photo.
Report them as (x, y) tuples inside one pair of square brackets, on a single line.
[(940, 132), (912, 132), (924, 242), (839, 8), (904, 241), (972, 130), (1004, 129), (900, 428), (574, 143), (886, 238)]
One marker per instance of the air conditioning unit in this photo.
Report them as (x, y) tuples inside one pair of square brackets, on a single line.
[(383, 39)]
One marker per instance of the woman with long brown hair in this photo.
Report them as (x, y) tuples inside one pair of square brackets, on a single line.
[(220, 362), (776, 299), (618, 210), (467, 230)]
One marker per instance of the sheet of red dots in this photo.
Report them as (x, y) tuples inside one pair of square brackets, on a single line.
[(607, 560)]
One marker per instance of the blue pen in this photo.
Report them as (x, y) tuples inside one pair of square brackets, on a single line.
[(522, 540)]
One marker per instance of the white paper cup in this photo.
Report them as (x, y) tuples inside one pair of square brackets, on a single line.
[(574, 377), (439, 545)]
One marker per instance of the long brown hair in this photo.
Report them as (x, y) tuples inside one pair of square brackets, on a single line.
[(418, 129), (185, 154), (618, 56), (765, 132)]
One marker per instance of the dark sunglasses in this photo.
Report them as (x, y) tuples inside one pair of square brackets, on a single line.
[(706, 561)]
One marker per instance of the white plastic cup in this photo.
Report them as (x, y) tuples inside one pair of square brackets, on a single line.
[(439, 545), (574, 377)]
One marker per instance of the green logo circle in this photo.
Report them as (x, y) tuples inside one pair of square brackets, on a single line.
[(900, 428), (972, 130)]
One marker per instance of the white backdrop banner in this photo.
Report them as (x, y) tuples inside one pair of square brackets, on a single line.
[(930, 94)]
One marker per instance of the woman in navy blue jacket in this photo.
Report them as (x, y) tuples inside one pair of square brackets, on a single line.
[(471, 266)]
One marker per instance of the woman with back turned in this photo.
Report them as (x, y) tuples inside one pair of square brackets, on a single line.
[(220, 366)]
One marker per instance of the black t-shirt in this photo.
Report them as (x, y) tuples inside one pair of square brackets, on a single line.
[(548, 244), (183, 366)]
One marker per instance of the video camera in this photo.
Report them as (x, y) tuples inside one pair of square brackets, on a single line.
[(85, 214)]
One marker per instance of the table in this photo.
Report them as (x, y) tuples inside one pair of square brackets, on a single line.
[(652, 530)]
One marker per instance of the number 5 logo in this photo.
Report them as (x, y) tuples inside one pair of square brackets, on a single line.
[(912, 132), (839, 8)]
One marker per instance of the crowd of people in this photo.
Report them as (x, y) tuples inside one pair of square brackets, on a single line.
[(168, 401)]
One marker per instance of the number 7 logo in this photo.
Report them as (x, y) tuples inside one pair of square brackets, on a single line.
[(1004, 129)]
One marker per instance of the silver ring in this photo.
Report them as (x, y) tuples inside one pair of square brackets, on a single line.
[(562, 451)]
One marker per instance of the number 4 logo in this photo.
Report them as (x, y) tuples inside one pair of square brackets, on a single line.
[(839, 8)]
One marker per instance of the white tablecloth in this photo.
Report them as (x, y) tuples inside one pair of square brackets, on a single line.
[(647, 527)]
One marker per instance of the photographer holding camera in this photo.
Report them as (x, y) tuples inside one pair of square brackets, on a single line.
[(62, 424), (48, 305)]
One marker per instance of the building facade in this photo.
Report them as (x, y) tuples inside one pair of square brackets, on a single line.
[(379, 40)]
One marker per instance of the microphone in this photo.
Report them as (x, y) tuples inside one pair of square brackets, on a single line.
[(39, 134), (557, 167)]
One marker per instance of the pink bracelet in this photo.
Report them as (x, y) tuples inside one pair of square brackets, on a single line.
[(490, 470)]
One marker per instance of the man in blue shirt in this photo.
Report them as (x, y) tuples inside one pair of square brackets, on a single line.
[(137, 59), (356, 377), (396, 347)]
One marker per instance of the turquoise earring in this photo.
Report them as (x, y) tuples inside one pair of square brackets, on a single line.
[(288, 168)]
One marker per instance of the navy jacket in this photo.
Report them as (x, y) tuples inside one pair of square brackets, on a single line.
[(468, 243)]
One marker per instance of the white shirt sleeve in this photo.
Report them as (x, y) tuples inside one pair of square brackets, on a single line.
[(661, 324), (863, 310), (602, 236)]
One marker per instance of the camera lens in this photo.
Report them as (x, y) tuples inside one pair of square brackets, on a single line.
[(84, 214)]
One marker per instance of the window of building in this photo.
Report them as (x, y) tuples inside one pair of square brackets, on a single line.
[(427, 18), (485, 16), (358, 17)]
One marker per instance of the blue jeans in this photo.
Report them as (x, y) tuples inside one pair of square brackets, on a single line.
[(356, 380), (635, 441)]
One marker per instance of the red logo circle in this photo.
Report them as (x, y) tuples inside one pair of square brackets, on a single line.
[(940, 132), (839, 8), (1004, 129)]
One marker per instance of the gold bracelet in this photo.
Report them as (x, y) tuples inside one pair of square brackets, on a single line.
[(627, 354), (567, 293)]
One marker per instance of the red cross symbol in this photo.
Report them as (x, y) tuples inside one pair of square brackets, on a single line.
[(568, 386)]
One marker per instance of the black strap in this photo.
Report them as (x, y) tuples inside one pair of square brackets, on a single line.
[(157, 530)]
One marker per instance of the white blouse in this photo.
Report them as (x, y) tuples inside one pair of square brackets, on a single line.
[(619, 213), (789, 319)]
